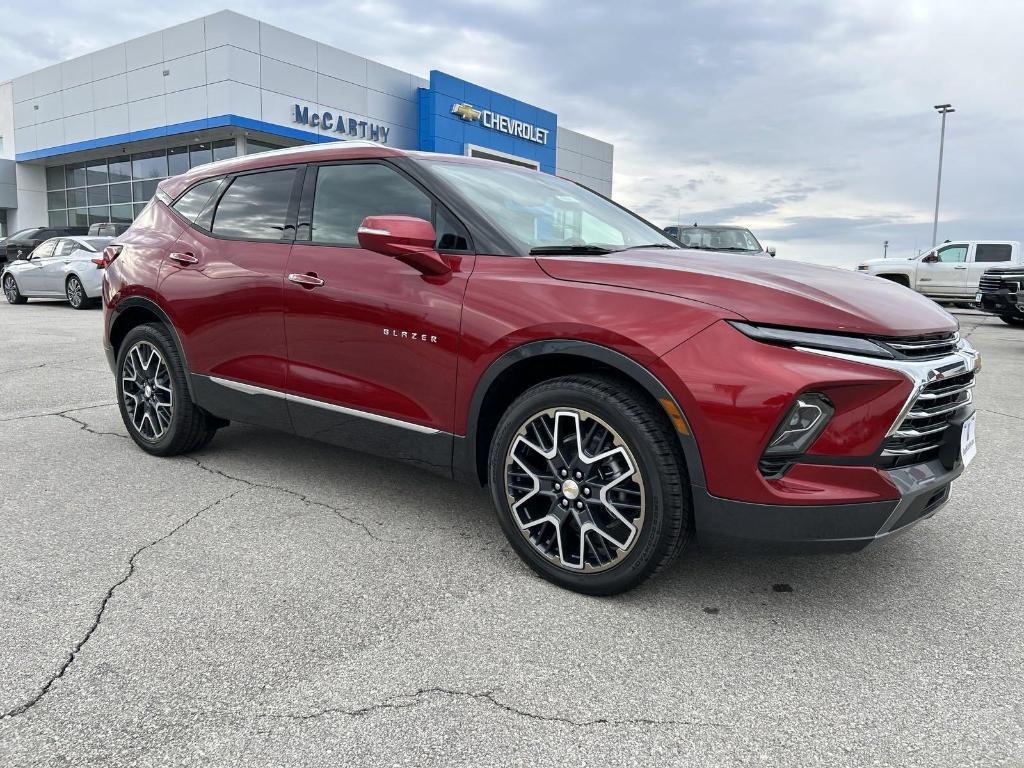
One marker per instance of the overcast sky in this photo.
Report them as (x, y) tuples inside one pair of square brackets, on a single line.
[(812, 123)]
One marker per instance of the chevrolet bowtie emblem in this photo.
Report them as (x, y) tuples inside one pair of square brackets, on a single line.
[(466, 111)]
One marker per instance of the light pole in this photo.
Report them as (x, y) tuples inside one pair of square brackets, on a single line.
[(943, 109), (885, 249)]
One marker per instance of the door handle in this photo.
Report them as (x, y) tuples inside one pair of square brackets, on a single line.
[(960, 266), (308, 280), (183, 258)]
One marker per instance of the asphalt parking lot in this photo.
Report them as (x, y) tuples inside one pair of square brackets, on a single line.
[(272, 601)]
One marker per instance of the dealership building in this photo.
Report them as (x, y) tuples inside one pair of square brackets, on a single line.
[(88, 139)]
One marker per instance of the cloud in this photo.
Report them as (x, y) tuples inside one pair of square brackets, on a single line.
[(809, 121)]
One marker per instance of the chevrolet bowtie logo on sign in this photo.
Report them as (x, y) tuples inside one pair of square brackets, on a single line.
[(501, 123), (466, 112)]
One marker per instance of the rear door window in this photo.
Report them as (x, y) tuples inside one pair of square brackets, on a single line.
[(193, 203), (65, 248), (993, 252), (255, 206)]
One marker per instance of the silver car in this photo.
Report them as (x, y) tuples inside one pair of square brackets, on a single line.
[(61, 267)]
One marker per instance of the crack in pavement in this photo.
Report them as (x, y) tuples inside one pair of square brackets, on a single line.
[(63, 413), (25, 707), (297, 494), (86, 428), (999, 413), (407, 701)]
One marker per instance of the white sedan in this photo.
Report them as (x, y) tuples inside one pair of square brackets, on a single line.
[(61, 267)]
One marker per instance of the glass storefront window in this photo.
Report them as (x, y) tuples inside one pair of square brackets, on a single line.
[(74, 175), (55, 177), (118, 188), (99, 215), (122, 214), (120, 193), (150, 165), (98, 196), (96, 172), (177, 160), (120, 168), (76, 198), (253, 146), (57, 218), (200, 154), (222, 150)]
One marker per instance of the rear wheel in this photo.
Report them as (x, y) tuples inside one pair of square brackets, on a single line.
[(1012, 319), (152, 394), (11, 291), (588, 481), (75, 292)]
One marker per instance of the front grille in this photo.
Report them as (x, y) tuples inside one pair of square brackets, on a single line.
[(933, 345), (990, 283), (993, 282), (920, 435)]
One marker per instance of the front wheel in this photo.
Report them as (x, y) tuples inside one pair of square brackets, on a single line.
[(11, 291), (589, 484), (152, 394), (1012, 319)]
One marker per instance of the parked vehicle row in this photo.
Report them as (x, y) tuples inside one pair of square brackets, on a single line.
[(24, 241), (619, 394)]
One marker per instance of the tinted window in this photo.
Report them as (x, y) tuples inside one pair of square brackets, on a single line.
[(953, 254), (191, 204), (450, 236), (347, 194), (255, 206), (992, 252)]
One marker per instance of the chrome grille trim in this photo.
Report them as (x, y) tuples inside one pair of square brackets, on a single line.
[(927, 377)]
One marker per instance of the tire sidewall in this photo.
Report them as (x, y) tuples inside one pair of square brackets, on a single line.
[(8, 278), (180, 397), (647, 551)]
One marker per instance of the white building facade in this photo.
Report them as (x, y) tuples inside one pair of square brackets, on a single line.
[(88, 139)]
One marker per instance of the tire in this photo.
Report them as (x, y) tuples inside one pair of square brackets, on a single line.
[(1013, 319), (11, 291), (151, 381), (75, 292), (530, 490)]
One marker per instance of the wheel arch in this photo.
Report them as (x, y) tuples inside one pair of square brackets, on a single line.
[(138, 310), (896, 277), (520, 368)]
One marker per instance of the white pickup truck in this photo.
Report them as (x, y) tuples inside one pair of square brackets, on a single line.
[(949, 271)]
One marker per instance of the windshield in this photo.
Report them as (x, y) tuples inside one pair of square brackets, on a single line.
[(719, 238), (540, 211)]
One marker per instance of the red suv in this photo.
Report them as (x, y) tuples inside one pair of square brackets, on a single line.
[(618, 393)]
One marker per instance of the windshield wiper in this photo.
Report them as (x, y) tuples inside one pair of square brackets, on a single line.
[(568, 250), (734, 248), (651, 245)]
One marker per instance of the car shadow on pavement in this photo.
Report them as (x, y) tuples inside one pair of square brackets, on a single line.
[(715, 583)]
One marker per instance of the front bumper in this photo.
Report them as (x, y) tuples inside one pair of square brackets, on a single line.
[(924, 488), (1002, 303)]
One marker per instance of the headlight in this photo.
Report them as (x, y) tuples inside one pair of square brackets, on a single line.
[(863, 267), (791, 337), (804, 421)]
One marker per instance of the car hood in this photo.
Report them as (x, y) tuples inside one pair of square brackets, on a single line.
[(767, 291)]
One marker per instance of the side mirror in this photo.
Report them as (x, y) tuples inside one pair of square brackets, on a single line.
[(771, 251), (931, 258), (406, 238)]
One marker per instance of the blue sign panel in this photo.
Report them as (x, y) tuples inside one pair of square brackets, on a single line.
[(454, 113)]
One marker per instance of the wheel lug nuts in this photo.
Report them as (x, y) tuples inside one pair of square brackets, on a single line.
[(579, 505), (565, 502), (586, 491), (565, 472), (579, 475), (558, 486)]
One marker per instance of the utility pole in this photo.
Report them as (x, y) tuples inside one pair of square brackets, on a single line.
[(943, 109), (885, 250)]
